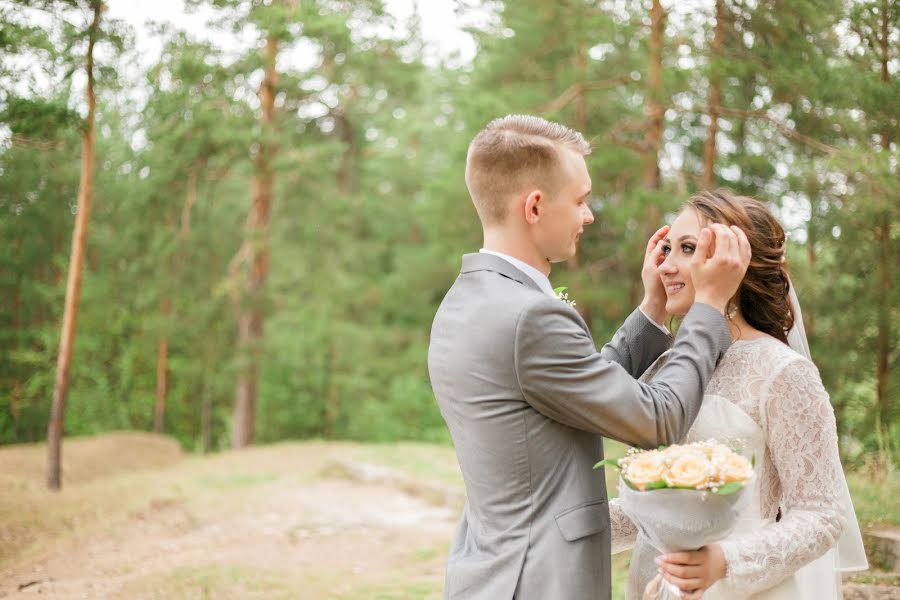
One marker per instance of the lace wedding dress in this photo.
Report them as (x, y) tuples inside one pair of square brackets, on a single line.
[(767, 401)]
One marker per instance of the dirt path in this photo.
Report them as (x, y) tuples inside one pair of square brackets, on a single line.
[(325, 538)]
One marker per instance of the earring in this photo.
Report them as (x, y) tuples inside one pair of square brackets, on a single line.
[(731, 311)]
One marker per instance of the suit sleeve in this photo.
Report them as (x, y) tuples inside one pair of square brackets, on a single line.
[(562, 375), (636, 344)]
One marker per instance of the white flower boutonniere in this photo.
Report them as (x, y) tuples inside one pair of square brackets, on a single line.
[(563, 295)]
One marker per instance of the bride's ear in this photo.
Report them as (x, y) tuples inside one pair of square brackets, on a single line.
[(533, 206)]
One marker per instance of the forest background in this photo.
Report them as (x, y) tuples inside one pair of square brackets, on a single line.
[(264, 229)]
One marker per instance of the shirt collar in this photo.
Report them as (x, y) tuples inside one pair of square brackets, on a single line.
[(539, 278)]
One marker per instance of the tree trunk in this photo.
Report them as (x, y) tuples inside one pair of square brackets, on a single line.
[(347, 176), (162, 359), (883, 41), (715, 97), (655, 109), (76, 264), (162, 352), (654, 132), (18, 320), (15, 406), (812, 257), (206, 420), (251, 315), (583, 307), (883, 342), (332, 406)]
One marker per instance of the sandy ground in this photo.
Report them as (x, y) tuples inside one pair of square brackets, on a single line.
[(322, 537)]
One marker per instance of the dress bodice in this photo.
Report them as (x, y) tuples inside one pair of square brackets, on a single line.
[(767, 403)]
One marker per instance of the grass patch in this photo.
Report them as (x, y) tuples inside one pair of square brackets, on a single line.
[(427, 461), (418, 590), (237, 480), (208, 582), (620, 564), (613, 449), (875, 498), (428, 554)]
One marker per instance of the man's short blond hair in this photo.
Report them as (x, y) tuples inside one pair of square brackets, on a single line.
[(512, 153)]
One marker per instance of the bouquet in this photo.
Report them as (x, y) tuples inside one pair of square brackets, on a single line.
[(681, 498)]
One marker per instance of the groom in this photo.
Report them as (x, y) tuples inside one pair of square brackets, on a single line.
[(525, 393)]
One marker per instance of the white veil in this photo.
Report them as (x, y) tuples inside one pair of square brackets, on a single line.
[(850, 553)]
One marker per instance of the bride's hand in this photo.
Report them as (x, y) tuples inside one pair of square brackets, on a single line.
[(693, 572), (654, 302)]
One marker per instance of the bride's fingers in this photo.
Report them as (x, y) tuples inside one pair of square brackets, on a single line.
[(683, 571), (693, 595), (685, 585), (681, 558)]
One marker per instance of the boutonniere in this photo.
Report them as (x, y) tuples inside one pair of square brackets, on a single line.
[(563, 295)]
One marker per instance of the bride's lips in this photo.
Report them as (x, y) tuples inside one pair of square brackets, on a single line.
[(673, 287)]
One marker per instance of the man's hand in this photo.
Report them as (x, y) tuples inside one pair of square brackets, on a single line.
[(694, 572), (719, 264), (654, 302)]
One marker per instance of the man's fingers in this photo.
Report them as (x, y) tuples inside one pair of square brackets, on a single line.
[(657, 255), (743, 243), (656, 237), (726, 242), (701, 253)]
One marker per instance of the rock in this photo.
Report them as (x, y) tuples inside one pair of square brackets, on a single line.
[(883, 546), (862, 591)]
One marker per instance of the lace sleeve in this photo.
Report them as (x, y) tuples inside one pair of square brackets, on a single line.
[(802, 441), (624, 531)]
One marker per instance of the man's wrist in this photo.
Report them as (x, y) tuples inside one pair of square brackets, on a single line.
[(717, 304), (654, 311)]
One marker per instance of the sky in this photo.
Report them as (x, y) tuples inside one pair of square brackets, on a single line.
[(441, 28)]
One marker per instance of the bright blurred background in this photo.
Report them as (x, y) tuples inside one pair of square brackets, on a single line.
[(278, 202)]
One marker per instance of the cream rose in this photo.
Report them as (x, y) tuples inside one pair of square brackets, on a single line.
[(644, 468), (688, 470), (736, 468)]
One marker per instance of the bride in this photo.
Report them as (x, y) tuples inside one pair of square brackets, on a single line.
[(797, 530)]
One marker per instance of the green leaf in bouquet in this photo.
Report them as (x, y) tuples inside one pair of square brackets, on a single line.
[(608, 462), (657, 485), (753, 460), (729, 488)]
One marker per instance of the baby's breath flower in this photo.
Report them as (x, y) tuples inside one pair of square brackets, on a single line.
[(564, 296)]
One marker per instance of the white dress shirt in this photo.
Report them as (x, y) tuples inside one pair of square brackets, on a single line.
[(544, 283), (539, 278)]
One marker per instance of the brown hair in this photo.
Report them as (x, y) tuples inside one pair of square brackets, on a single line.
[(512, 152), (763, 293)]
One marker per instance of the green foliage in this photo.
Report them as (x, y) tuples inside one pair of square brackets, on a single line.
[(371, 215)]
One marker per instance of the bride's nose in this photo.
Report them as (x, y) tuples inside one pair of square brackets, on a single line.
[(667, 266)]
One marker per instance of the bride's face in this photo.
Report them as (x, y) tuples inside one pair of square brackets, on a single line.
[(675, 270)]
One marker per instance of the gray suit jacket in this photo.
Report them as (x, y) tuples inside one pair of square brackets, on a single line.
[(525, 394)]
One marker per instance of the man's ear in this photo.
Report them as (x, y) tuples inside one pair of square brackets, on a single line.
[(533, 206)]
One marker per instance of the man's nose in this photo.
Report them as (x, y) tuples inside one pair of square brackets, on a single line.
[(588, 214)]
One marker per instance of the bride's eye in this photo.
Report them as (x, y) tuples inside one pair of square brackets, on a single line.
[(687, 248), (666, 249)]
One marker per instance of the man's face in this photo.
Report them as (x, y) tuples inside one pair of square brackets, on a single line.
[(564, 215)]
